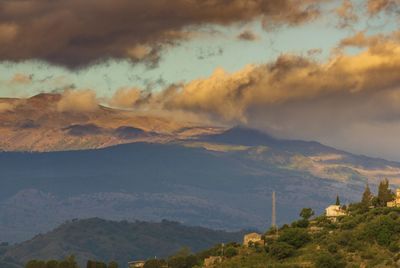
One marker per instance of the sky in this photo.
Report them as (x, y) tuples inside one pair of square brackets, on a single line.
[(324, 70)]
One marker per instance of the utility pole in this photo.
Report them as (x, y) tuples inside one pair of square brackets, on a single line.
[(273, 218)]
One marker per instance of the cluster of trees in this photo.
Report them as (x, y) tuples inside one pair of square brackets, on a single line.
[(185, 259), (290, 238), (68, 262), (98, 264), (385, 194)]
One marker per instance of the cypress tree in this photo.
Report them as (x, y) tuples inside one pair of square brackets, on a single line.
[(384, 193), (367, 196), (337, 200)]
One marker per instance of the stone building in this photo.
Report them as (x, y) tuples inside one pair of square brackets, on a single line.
[(396, 201), (252, 238), (211, 261)]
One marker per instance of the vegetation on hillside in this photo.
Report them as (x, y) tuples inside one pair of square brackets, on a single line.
[(368, 236)]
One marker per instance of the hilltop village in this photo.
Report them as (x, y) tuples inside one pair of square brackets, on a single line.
[(363, 234)]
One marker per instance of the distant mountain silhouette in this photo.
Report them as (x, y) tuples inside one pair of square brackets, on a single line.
[(251, 137), (123, 241)]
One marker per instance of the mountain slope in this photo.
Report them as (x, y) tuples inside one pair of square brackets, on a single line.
[(121, 241), (38, 124), (224, 184)]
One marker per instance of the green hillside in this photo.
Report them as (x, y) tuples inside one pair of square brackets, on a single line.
[(369, 239), (368, 236), (109, 240)]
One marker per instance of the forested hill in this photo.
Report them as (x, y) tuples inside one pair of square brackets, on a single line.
[(110, 240)]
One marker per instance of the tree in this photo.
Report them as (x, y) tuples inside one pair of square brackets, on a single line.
[(52, 264), (35, 264), (91, 264), (306, 213), (384, 193), (72, 262), (337, 200), (100, 264), (183, 262), (64, 264), (367, 196), (113, 264)]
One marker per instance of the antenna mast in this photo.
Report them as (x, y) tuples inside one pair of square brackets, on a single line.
[(273, 218)]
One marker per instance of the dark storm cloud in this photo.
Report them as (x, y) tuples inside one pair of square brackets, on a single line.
[(247, 35), (376, 6), (76, 33)]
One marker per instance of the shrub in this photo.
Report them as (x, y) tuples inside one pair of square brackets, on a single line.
[(303, 223), (326, 260), (281, 250), (394, 247), (231, 252), (382, 230), (154, 263), (332, 248), (297, 237), (183, 261)]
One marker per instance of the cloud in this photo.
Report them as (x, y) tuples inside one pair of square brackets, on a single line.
[(366, 86), (20, 78), (247, 35), (288, 79), (314, 51), (346, 14), (376, 6), (125, 98), (6, 107), (298, 97), (78, 101), (139, 52), (76, 33), (8, 32), (361, 40)]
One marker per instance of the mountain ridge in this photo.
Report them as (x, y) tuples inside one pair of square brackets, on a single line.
[(121, 241)]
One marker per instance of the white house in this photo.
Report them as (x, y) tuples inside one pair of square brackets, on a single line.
[(136, 264), (396, 201), (334, 211)]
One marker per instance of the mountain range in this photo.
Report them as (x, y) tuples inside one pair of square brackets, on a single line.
[(118, 165)]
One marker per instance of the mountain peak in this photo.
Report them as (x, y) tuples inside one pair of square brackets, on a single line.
[(48, 97), (242, 135)]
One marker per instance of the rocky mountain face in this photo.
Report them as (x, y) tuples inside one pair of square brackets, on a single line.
[(38, 124)]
